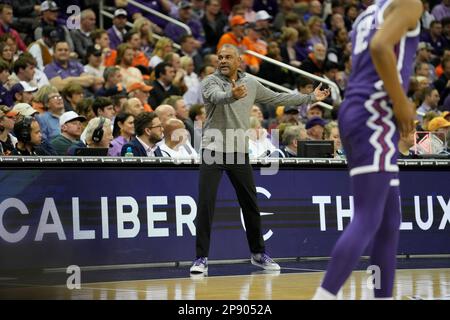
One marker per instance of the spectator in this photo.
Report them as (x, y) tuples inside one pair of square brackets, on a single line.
[(7, 140), (259, 145), (441, 10), (42, 49), (130, 74), (162, 6), (6, 53), (98, 134), (22, 92), (430, 103), (118, 30), (94, 66), (314, 111), (70, 124), (290, 138), (162, 48), (112, 83), (176, 143), (133, 39), (72, 94), (181, 113), (315, 25), (173, 60), (123, 132), (63, 71), (435, 38), (332, 133), (289, 39), (165, 112), (25, 70), (142, 92), (315, 128), (188, 49), (29, 139), (100, 38), (162, 86), (133, 106), (214, 23), (197, 114), (143, 27), (49, 120), (331, 70), (149, 131), (236, 35), (5, 97), (174, 31), (315, 62), (442, 84), (6, 20), (49, 18), (81, 37)]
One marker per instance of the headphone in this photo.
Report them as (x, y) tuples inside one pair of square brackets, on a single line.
[(22, 129), (97, 135)]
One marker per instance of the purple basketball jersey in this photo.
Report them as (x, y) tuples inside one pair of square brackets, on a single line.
[(366, 120)]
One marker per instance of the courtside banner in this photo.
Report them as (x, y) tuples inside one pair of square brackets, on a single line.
[(103, 216)]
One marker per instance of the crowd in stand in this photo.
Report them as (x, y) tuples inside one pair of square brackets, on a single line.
[(66, 84)]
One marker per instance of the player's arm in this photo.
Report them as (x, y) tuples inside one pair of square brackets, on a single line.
[(395, 25)]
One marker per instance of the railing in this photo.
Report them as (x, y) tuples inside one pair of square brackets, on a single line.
[(284, 89), (129, 24), (293, 69), (160, 15)]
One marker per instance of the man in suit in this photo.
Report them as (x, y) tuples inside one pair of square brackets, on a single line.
[(162, 86), (149, 131)]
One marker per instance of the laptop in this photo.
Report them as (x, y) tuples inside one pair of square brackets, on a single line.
[(91, 152)]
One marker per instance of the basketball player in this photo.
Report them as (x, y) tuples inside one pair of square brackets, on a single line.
[(375, 112)]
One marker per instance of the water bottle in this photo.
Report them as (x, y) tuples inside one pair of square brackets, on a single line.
[(129, 153)]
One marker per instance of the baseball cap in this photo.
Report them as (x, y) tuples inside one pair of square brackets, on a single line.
[(70, 116), (424, 45), (438, 123), (49, 6), (139, 86), (24, 109), (262, 15), (22, 86), (315, 121), (184, 4), (237, 21), (290, 109), (120, 12)]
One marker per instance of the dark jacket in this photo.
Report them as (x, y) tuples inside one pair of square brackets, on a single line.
[(158, 94), (138, 149)]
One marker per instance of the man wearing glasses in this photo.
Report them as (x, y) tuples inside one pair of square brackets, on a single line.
[(149, 131)]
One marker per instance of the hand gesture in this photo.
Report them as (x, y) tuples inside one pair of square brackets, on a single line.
[(321, 94), (405, 116), (239, 91)]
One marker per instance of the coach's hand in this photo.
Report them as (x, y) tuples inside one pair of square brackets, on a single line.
[(239, 91), (321, 94)]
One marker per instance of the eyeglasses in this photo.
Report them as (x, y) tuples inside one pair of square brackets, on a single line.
[(55, 97), (160, 126)]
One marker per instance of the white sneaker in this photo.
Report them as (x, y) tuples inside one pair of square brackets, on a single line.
[(200, 265), (262, 260)]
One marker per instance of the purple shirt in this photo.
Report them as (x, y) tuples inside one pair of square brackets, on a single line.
[(117, 145), (152, 4), (440, 11), (175, 32), (114, 39), (54, 69)]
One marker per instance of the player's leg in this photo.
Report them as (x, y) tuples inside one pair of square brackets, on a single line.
[(370, 192), (385, 243)]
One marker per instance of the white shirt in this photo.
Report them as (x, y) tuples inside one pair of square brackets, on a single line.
[(149, 150), (260, 148), (184, 151), (35, 51), (98, 73)]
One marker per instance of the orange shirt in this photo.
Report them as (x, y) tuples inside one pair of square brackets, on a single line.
[(147, 108), (140, 59), (228, 38), (110, 58), (259, 47)]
